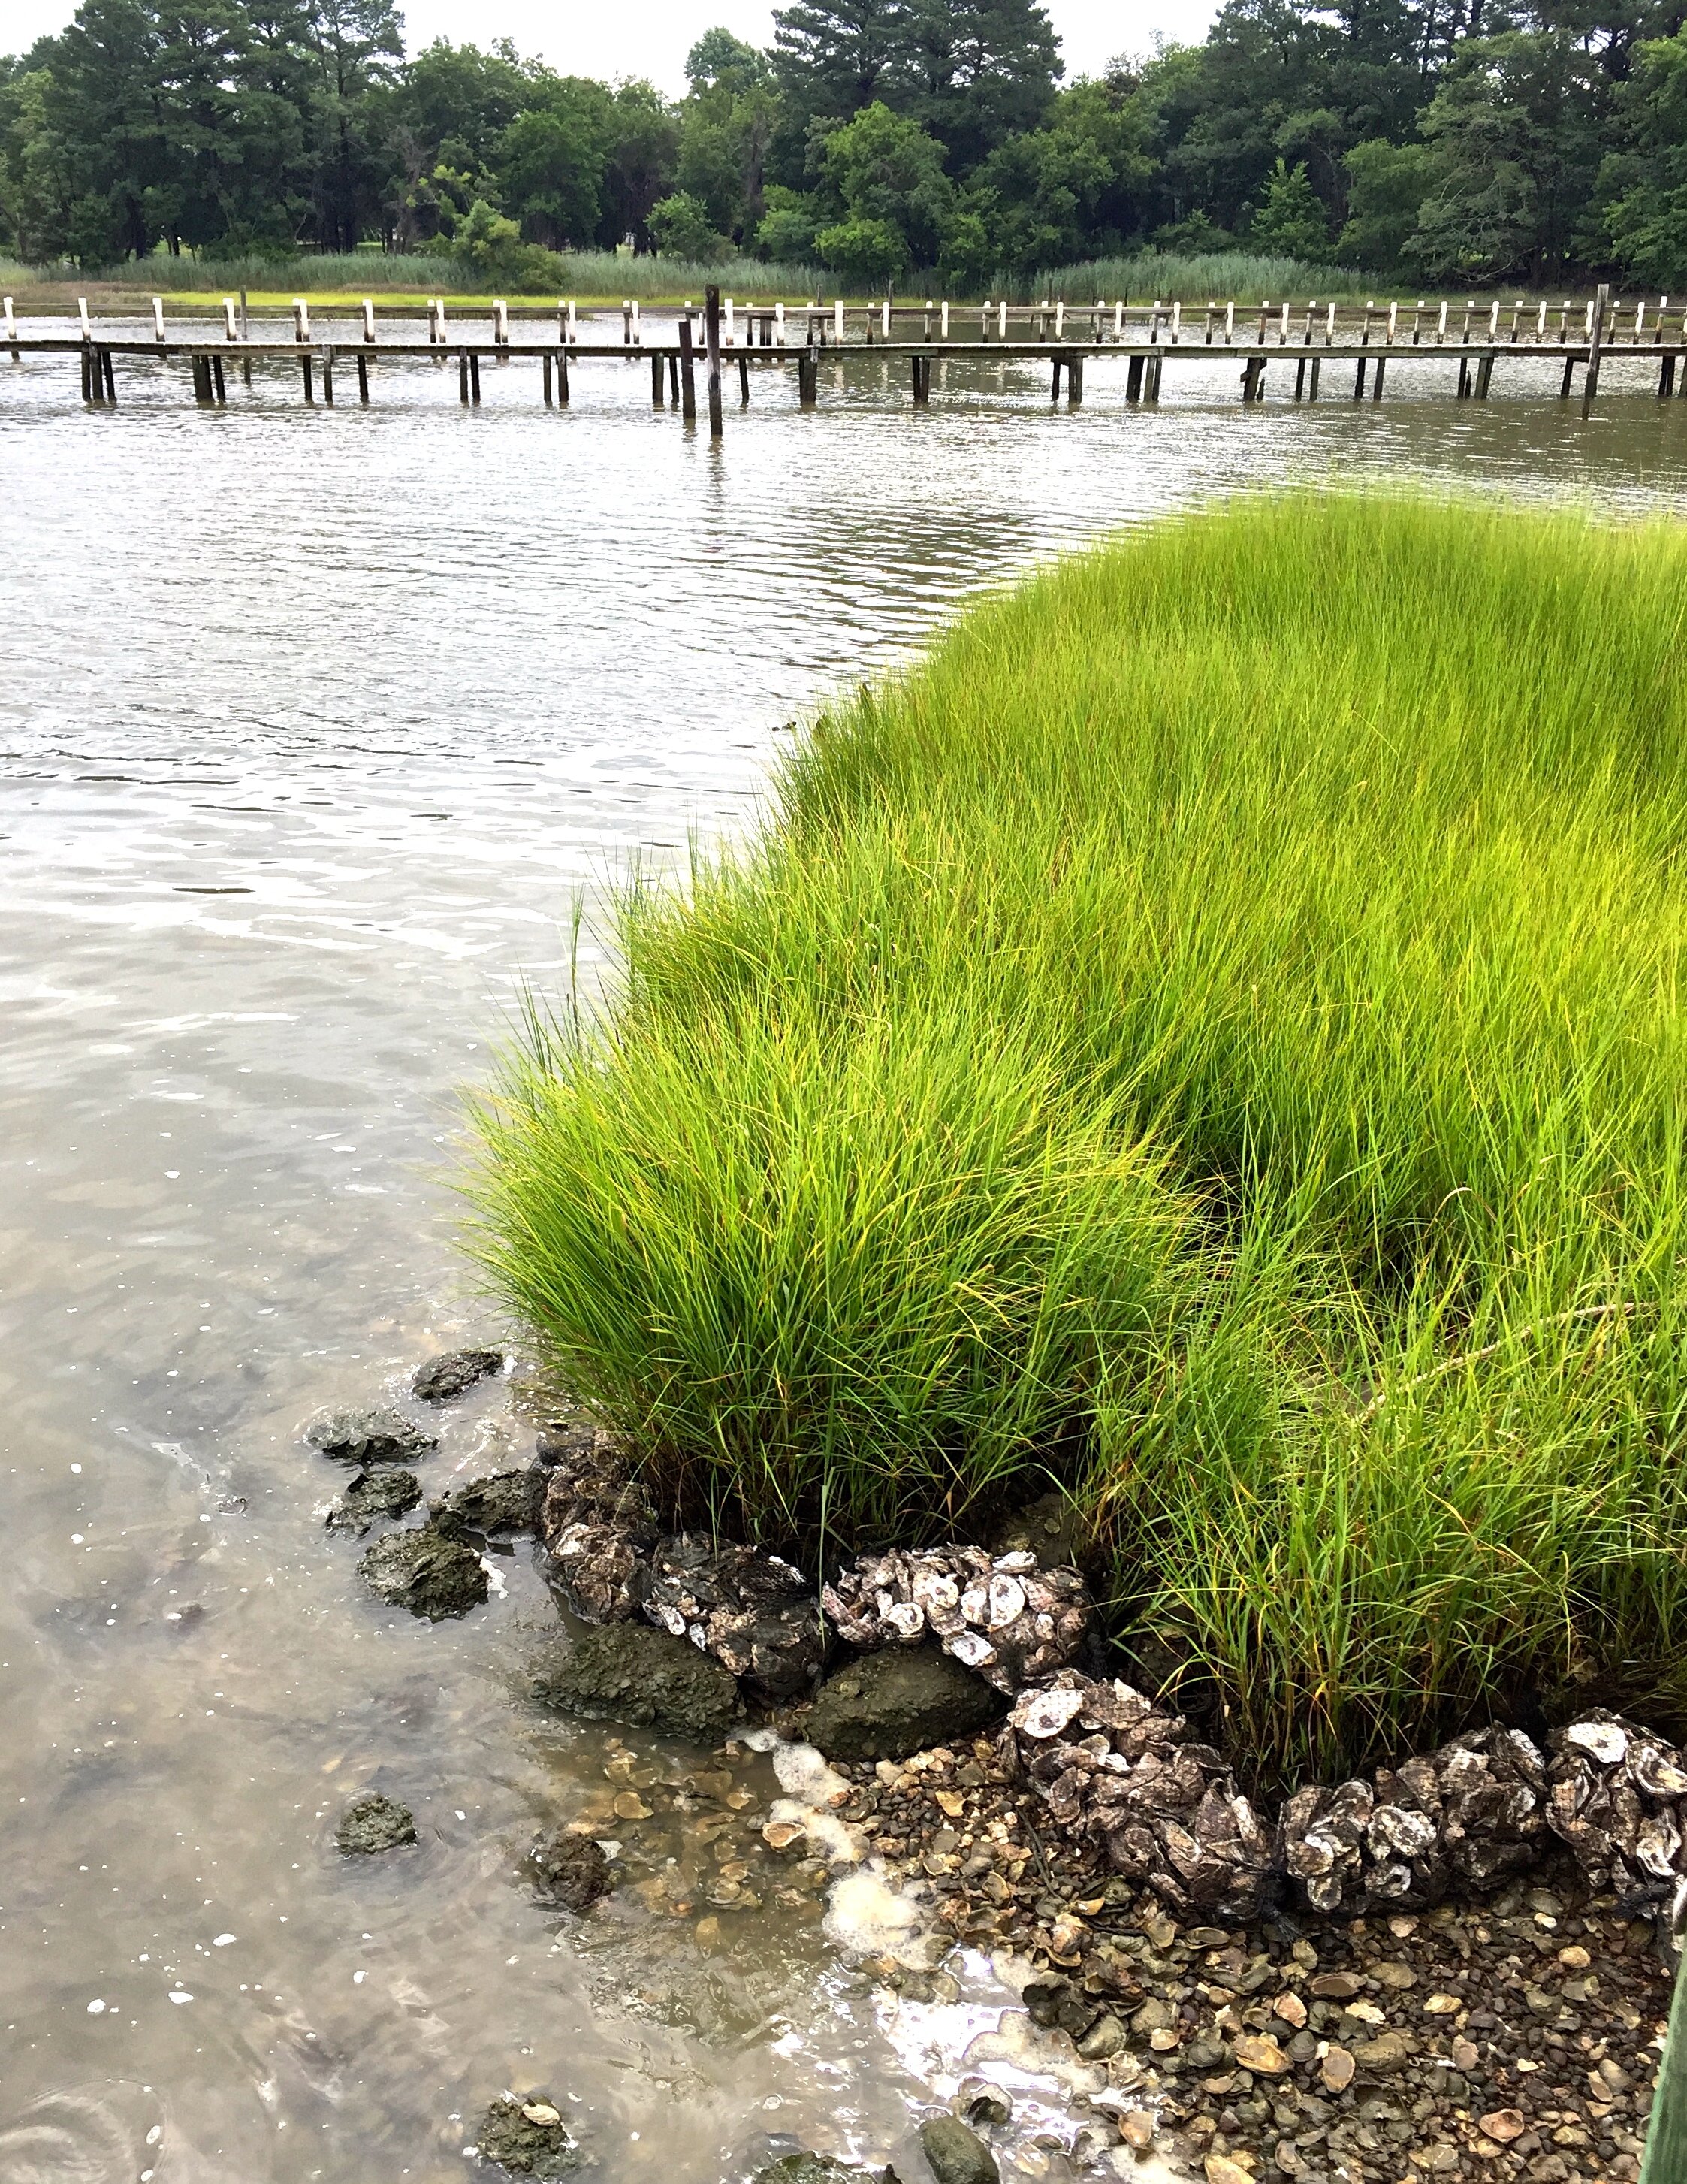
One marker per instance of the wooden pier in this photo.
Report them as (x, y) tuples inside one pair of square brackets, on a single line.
[(1315, 339)]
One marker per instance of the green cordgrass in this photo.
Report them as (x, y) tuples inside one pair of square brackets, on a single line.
[(1238, 276), (1246, 957)]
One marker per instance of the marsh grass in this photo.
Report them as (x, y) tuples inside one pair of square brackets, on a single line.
[(1230, 275), (589, 274), (1291, 895)]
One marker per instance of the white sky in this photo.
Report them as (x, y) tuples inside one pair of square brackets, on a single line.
[(654, 41)]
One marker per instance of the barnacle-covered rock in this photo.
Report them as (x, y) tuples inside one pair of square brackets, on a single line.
[(1616, 1795), (1117, 1770), (598, 1527), (1003, 1616), (756, 1614)]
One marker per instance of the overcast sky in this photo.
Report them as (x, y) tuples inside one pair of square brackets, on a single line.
[(654, 39)]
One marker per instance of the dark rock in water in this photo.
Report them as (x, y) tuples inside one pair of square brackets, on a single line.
[(529, 2138), (442, 1377), (754, 1613), (814, 2169), (371, 1495), (373, 1823), (956, 2154), (426, 1572), (572, 1870), (628, 1672), (1007, 1615), (896, 1703), (504, 1502), (378, 1436)]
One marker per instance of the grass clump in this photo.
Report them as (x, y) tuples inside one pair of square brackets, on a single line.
[(1291, 896), (1196, 278)]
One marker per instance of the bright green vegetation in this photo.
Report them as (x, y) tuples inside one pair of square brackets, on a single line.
[(1214, 1034)]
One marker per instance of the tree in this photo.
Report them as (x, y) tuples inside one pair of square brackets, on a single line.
[(643, 140), (1290, 221), (491, 247), (787, 228), (1515, 144), (680, 228), (551, 162), (1386, 187), (867, 253), (1644, 188), (888, 174), (832, 57)]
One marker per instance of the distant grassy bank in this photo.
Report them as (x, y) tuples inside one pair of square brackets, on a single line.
[(603, 277), (1214, 1034)]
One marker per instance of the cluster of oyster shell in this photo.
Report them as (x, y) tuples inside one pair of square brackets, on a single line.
[(1121, 1771), (1003, 1616), (608, 1559)]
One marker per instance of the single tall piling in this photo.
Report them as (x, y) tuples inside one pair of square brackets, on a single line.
[(1601, 302), (712, 337)]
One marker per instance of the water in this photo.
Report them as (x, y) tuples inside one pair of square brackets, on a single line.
[(309, 723)]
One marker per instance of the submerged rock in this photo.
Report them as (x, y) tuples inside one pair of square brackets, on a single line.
[(427, 1571), (373, 1823), (503, 1502), (816, 2169), (894, 1703), (444, 1377), (529, 2138), (572, 1869), (371, 1495), (756, 1614), (1003, 1615), (627, 1672), (375, 1435), (956, 2154)]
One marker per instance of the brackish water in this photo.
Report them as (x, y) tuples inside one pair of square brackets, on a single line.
[(309, 723)]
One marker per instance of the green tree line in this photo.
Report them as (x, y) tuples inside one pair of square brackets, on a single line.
[(1437, 140)]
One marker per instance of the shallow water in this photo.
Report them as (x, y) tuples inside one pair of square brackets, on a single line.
[(309, 723)]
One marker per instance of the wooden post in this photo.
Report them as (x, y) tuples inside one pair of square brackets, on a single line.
[(110, 377), (1074, 381), (545, 376), (500, 322), (463, 376), (1055, 382), (11, 326), (301, 319), (219, 386), (1377, 383), (687, 379), (475, 377), (369, 319), (307, 373), (1485, 373), (1133, 380), (808, 377), (917, 365), (562, 377), (202, 378), (1312, 379), (228, 318), (1666, 379), (743, 381), (711, 339), (245, 329), (655, 381), (328, 376), (1463, 394), (362, 379), (1359, 380), (1595, 341), (87, 356), (158, 317), (1156, 364), (674, 381), (1564, 383)]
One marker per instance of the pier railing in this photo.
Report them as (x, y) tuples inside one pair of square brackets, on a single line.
[(1308, 333)]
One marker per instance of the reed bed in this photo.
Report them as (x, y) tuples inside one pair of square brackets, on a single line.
[(1223, 277), (1213, 1035), (595, 274)]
